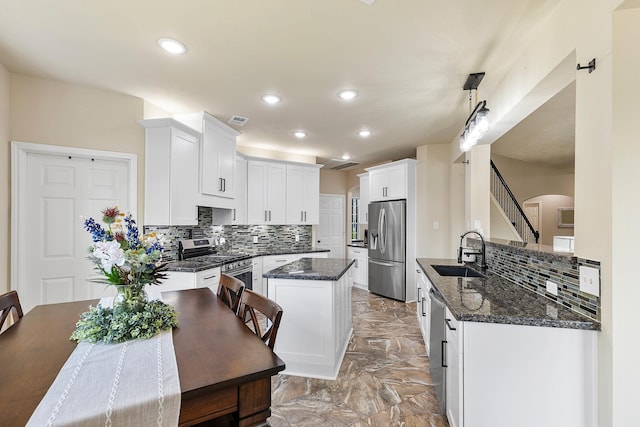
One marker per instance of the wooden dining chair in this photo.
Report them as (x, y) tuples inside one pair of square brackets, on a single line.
[(9, 302), (230, 290), (253, 302)]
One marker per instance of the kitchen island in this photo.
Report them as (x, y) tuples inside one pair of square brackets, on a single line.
[(315, 294)]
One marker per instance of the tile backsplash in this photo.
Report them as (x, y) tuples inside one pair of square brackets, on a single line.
[(238, 238), (532, 268)]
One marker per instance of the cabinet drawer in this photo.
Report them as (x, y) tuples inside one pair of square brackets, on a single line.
[(208, 278)]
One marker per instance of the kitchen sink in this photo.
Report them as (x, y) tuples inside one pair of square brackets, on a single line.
[(456, 270)]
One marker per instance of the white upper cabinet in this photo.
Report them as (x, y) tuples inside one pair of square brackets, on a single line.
[(266, 187), (389, 181), (217, 159), (171, 173), (239, 212), (303, 194), (363, 204)]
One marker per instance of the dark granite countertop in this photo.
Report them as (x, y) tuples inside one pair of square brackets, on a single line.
[(312, 269), (493, 299), (357, 245), (206, 262)]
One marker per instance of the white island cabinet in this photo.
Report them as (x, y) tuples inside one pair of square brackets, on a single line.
[(315, 294)]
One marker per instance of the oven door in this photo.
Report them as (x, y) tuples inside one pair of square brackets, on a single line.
[(246, 277)]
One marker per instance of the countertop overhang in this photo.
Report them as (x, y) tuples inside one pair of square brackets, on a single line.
[(205, 262), (494, 299), (331, 269)]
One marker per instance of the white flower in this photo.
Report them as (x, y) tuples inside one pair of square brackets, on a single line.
[(109, 254)]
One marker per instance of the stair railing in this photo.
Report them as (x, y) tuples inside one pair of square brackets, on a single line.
[(511, 207)]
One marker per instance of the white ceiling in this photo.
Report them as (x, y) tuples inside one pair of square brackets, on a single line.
[(408, 59)]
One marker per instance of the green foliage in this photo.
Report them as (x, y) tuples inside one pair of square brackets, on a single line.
[(124, 322)]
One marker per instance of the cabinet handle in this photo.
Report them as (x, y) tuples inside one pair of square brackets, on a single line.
[(234, 214), (301, 216), (224, 185), (443, 349), (424, 313), (210, 277), (220, 184), (269, 216), (356, 264), (305, 216), (366, 216), (451, 328)]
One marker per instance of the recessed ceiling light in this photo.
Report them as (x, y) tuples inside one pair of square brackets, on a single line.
[(364, 133), (300, 134), (172, 46), (348, 94), (345, 157), (271, 99)]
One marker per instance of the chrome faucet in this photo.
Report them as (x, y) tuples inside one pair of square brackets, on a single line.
[(483, 251)]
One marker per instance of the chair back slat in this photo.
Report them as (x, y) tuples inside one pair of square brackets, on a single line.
[(10, 302), (230, 289), (254, 303)]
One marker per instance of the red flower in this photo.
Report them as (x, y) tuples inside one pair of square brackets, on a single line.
[(110, 214), (119, 237)]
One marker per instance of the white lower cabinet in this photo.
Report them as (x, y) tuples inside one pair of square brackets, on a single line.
[(177, 280), (423, 305), (256, 276), (453, 381), (505, 375), (360, 267)]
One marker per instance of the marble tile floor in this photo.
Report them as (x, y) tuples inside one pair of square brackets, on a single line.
[(383, 381)]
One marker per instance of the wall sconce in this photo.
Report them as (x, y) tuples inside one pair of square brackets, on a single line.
[(477, 123)]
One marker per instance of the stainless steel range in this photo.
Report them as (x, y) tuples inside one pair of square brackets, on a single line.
[(203, 250)]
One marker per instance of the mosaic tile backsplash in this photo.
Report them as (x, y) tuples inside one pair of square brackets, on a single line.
[(237, 238), (531, 269)]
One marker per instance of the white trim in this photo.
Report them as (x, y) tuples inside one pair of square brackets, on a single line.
[(19, 152)]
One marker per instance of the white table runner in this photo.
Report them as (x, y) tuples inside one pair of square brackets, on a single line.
[(129, 384)]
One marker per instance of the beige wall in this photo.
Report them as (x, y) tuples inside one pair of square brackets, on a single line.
[(333, 182), (276, 155), (48, 112), (549, 205), (624, 323), (433, 201), (5, 154), (527, 180)]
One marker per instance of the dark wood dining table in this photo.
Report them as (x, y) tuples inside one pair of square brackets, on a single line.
[(225, 370)]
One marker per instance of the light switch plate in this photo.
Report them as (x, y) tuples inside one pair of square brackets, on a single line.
[(255, 239), (589, 280), (552, 288), (297, 237)]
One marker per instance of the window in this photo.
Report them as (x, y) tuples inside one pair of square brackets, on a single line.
[(355, 228)]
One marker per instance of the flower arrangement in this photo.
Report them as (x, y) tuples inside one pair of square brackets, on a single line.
[(128, 262)]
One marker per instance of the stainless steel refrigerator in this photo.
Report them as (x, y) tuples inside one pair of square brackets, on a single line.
[(387, 249)]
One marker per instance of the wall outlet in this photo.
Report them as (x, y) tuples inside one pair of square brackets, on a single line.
[(589, 280), (255, 239), (552, 288), (222, 240), (297, 237), (436, 225)]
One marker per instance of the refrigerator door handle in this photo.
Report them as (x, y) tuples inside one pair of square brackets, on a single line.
[(382, 222), (384, 264)]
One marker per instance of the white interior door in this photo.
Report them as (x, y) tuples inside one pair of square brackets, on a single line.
[(331, 234), (532, 211), (58, 190)]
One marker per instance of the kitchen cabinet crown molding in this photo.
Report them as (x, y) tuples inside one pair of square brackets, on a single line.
[(395, 163), (166, 123), (194, 121)]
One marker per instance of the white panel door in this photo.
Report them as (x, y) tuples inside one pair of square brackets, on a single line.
[(331, 234), (59, 190)]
